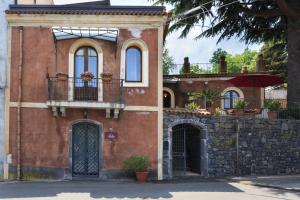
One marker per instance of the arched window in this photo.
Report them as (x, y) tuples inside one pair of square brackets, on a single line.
[(86, 60), (133, 70), (230, 98)]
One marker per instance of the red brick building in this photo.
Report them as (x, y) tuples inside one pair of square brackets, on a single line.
[(63, 105)]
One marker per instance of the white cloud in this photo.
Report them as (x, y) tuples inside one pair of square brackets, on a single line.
[(199, 51)]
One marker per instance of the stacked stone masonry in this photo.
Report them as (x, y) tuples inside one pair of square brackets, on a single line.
[(240, 146)]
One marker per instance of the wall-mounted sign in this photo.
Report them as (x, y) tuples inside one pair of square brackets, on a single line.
[(111, 135)]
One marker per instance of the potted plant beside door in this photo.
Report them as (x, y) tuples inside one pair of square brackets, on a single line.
[(106, 76), (86, 76), (138, 165)]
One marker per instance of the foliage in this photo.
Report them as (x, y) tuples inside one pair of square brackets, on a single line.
[(208, 95), (240, 104), (136, 164), (249, 20), (218, 112), (236, 62), (289, 113), (196, 69), (192, 106), (168, 62), (273, 105), (275, 55)]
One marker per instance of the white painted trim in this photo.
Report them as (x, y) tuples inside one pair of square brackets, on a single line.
[(76, 45), (172, 94), (160, 104), (93, 105), (7, 108), (141, 108), (104, 21), (145, 62), (238, 90)]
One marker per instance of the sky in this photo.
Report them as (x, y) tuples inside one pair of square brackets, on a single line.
[(198, 51)]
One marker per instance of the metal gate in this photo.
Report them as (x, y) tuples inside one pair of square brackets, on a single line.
[(85, 150), (186, 149)]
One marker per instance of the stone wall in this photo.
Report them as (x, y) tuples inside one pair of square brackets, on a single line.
[(241, 146)]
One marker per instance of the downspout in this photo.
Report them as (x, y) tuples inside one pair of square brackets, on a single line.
[(19, 166)]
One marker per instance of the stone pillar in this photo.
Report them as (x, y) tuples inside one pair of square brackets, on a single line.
[(245, 70), (223, 65), (186, 66), (260, 63)]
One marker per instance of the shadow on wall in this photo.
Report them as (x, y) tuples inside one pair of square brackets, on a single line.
[(109, 190)]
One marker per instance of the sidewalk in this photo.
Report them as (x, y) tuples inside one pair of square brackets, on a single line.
[(290, 182)]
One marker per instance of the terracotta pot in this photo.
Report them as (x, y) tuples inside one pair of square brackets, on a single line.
[(62, 76), (273, 115), (239, 112), (106, 77), (141, 176)]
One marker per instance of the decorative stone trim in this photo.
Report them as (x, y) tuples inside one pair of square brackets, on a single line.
[(145, 62)]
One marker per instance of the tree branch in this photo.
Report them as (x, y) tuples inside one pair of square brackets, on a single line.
[(265, 14), (287, 10)]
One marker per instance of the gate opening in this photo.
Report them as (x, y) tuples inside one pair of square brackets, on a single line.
[(186, 150)]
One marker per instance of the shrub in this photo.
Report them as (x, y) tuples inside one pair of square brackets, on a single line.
[(240, 104), (136, 164), (273, 105), (192, 106)]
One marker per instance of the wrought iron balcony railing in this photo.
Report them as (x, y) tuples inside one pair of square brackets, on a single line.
[(76, 89)]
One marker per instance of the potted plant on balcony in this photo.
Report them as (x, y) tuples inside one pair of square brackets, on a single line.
[(240, 106), (274, 107), (61, 76), (106, 76), (138, 165), (86, 76)]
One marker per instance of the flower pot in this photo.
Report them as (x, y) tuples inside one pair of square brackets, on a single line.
[(273, 115), (239, 112), (141, 176), (106, 77), (86, 76), (62, 76)]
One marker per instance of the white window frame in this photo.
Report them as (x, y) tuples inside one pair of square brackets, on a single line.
[(145, 62), (75, 46), (172, 94)]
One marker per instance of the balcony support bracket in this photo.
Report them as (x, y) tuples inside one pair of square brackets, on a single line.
[(107, 113), (116, 113), (54, 110)]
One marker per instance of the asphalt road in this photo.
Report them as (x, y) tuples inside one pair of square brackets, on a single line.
[(79, 190)]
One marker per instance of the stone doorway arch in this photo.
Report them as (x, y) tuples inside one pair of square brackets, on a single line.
[(168, 151)]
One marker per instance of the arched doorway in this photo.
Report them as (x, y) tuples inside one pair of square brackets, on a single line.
[(167, 100), (186, 149), (85, 150)]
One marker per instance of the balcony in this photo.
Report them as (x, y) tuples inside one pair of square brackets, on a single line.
[(93, 94)]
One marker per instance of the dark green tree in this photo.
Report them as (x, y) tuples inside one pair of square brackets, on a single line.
[(215, 59), (253, 21), (275, 55)]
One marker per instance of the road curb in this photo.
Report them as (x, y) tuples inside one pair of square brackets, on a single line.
[(249, 182)]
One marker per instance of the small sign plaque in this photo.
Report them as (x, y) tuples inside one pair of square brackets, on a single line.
[(111, 135)]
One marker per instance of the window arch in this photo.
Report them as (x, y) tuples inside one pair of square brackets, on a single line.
[(85, 42), (135, 57), (133, 68), (231, 95), (230, 98)]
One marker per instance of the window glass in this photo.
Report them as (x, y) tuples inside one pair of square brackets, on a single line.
[(230, 98), (133, 65)]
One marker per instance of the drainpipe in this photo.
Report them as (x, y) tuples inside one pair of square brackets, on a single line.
[(19, 167)]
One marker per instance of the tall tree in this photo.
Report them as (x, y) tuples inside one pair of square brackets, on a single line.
[(275, 55), (250, 20), (168, 62)]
